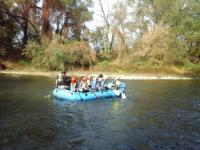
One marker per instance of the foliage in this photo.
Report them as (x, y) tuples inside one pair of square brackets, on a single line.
[(141, 33), (172, 36), (152, 46), (58, 55)]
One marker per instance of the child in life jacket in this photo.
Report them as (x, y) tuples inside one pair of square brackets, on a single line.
[(73, 84)]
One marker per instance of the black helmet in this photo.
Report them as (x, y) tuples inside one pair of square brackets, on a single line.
[(100, 75)]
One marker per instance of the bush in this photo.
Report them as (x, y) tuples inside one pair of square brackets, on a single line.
[(59, 55), (34, 52), (152, 46)]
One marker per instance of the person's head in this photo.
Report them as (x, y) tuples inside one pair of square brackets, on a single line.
[(84, 79), (63, 72), (116, 80), (101, 75), (73, 79)]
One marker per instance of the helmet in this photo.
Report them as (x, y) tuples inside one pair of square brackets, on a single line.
[(101, 75), (73, 79)]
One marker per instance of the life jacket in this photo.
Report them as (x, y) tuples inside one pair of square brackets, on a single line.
[(73, 86), (84, 86), (100, 82), (94, 84)]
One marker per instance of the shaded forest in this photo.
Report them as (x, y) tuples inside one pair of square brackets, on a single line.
[(144, 35)]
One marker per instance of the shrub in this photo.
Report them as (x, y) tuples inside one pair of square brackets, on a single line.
[(152, 46), (59, 55), (34, 52)]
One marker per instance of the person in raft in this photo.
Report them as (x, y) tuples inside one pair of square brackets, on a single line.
[(100, 82), (115, 84), (83, 87), (63, 81), (94, 83), (60, 79), (73, 86)]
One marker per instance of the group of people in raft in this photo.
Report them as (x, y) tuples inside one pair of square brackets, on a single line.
[(84, 83)]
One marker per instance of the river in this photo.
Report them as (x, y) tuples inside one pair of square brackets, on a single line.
[(157, 115)]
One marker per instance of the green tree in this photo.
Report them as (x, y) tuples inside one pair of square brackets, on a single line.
[(181, 18)]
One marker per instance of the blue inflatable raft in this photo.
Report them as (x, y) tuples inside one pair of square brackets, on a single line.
[(61, 93)]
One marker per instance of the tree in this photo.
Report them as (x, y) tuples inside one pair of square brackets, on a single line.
[(10, 26), (96, 39), (181, 18), (120, 15), (107, 28), (46, 30)]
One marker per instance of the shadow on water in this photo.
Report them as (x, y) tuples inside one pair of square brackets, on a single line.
[(156, 115)]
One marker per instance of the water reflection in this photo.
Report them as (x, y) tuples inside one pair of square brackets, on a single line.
[(115, 107)]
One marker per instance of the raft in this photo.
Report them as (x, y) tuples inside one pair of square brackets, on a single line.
[(64, 94)]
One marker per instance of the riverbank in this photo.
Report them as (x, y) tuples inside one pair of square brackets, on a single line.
[(125, 76)]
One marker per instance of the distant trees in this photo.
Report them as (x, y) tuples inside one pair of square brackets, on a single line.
[(181, 18), (32, 21), (17, 14), (27, 22), (164, 25), (154, 32)]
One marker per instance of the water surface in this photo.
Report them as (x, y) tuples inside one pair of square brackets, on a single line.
[(157, 115)]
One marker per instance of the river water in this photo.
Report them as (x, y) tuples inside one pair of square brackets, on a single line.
[(157, 115)]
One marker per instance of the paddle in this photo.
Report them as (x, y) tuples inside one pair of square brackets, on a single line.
[(123, 96)]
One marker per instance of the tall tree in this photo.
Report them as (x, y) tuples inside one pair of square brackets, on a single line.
[(107, 27), (46, 29)]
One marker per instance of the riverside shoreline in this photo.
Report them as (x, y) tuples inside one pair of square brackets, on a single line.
[(124, 76)]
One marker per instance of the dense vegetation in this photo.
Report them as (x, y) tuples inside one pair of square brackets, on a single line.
[(134, 35)]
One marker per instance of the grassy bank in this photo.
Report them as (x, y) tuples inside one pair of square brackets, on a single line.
[(187, 70)]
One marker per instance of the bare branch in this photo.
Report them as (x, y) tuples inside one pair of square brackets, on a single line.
[(103, 14)]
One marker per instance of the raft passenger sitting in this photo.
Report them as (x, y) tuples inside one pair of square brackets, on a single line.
[(115, 84), (89, 80), (83, 85), (100, 82), (67, 81), (94, 84), (73, 86), (60, 79)]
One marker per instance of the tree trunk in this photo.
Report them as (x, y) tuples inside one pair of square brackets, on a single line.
[(46, 31), (65, 27), (25, 26), (78, 31), (107, 28)]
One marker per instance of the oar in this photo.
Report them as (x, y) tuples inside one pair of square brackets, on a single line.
[(123, 96)]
